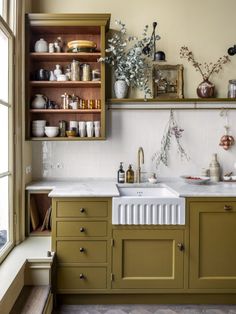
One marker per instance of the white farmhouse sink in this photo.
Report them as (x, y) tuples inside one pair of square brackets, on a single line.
[(145, 205)]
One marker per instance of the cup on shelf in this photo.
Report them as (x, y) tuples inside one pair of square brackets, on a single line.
[(97, 128), (90, 129), (82, 128)]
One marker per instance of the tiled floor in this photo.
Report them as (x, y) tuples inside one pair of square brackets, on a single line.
[(147, 309)]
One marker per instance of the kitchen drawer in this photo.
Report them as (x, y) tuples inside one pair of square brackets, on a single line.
[(82, 209), (73, 278), (80, 251), (81, 228)]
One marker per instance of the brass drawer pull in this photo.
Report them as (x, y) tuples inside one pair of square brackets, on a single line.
[(82, 210), (228, 207), (81, 249), (81, 276), (180, 246), (82, 229)]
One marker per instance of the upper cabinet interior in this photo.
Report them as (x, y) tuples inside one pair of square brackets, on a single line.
[(65, 83)]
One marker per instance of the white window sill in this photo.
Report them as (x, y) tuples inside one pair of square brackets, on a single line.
[(32, 249)]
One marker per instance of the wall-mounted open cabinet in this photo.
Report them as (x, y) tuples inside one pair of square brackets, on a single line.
[(162, 104), (69, 27)]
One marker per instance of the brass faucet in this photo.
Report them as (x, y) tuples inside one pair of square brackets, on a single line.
[(140, 160)]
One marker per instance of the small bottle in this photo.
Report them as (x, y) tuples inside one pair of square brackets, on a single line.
[(214, 169), (130, 175), (121, 174)]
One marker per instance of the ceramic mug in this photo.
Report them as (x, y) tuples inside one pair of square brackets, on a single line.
[(82, 128)]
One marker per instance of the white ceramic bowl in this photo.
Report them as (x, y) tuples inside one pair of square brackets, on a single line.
[(195, 179), (38, 132), (51, 131), (39, 122)]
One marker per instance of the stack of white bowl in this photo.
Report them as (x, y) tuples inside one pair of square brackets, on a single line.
[(38, 127)]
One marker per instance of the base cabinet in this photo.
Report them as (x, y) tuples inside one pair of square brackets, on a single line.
[(212, 261), (148, 259)]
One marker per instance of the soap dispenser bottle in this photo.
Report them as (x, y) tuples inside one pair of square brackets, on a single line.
[(214, 169), (130, 175), (121, 174)]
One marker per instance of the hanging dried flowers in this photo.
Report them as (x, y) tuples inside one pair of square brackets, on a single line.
[(171, 129)]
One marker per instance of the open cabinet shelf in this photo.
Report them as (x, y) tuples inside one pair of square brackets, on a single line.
[(69, 27)]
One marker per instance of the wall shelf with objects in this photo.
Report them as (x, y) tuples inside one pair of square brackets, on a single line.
[(162, 104), (65, 98)]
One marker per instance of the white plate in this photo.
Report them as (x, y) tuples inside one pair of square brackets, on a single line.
[(195, 179)]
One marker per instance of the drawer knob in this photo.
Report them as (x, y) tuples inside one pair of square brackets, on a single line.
[(228, 207), (180, 246), (81, 276), (82, 229), (82, 210), (81, 249)]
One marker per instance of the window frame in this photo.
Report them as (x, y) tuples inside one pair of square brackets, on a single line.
[(5, 28)]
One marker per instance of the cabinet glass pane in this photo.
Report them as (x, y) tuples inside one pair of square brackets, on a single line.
[(4, 67), (4, 139), (4, 212), (1, 7)]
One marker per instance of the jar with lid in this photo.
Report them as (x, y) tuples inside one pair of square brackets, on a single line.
[(86, 72), (232, 89), (75, 71)]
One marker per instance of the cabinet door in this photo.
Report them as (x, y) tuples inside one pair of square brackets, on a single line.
[(148, 259), (213, 245)]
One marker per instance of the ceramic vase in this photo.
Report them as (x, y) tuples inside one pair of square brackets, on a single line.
[(41, 45), (121, 89), (206, 89)]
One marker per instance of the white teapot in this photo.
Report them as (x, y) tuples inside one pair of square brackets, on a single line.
[(39, 102), (41, 45)]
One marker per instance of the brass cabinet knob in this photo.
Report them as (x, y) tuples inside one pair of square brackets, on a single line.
[(228, 207), (180, 246), (81, 276), (82, 210), (82, 229), (81, 249)]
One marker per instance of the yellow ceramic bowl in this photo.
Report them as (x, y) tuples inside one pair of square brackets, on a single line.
[(71, 133)]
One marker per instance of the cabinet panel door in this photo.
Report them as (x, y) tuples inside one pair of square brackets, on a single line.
[(81, 228), (213, 245), (81, 251), (148, 259)]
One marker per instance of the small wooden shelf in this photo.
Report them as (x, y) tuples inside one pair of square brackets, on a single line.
[(162, 104), (64, 111), (65, 84), (76, 138), (62, 56)]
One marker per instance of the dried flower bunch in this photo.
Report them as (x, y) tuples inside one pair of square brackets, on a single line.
[(206, 69), (171, 129), (125, 55)]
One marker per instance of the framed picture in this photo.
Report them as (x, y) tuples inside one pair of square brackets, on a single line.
[(167, 81)]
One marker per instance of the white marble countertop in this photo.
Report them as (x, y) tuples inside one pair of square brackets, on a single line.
[(90, 187)]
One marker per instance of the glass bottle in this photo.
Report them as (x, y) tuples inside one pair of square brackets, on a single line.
[(214, 169), (130, 175), (121, 174)]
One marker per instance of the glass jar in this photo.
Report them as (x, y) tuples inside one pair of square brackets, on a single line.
[(232, 89)]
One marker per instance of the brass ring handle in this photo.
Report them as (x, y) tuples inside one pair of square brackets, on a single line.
[(81, 276), (81, 249), (228, 207), (82, 229), (180, 246), (82, 210)]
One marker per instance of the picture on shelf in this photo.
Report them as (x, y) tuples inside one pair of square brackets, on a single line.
[(167, 81)]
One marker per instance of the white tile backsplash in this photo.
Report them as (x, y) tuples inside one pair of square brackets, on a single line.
[(129, 129)]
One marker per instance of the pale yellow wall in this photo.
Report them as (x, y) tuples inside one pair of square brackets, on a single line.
[(208, 27)]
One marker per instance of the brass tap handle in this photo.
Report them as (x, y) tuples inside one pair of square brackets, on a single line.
[(82, 210), (82, 229), (180, 246), (228, 207), (81, 249), (81, 276)]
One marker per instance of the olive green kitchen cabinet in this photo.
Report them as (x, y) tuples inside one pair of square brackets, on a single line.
[(148, 259), (81, 239), (212, 260)]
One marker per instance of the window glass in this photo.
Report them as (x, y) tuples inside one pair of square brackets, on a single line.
[(4, 212), (1, 7), (4, 139), (4, 67)]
